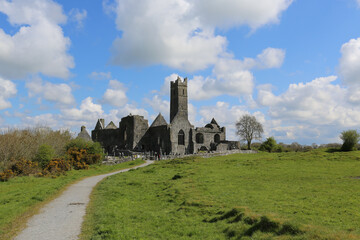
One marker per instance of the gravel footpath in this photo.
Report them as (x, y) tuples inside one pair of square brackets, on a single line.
[(61, 219)]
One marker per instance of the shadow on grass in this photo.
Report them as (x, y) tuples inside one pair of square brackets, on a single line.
[(240, 226), (332, 150)]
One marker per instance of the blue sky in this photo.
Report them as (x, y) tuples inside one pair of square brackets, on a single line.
[(295, 65)]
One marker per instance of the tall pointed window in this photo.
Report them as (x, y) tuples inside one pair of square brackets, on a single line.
[(217, 138), (181, 137)]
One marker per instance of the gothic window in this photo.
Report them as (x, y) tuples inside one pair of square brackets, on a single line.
[(217, 138), (199, 138), (181, 137)]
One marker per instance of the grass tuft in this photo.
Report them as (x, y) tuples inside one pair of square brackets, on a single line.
[(176, 176)]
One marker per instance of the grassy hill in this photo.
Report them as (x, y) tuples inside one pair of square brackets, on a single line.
[(313, 195)]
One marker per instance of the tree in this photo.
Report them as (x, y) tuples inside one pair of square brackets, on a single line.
[(269, 145), (248, 128), (44, 155), (350, 139)]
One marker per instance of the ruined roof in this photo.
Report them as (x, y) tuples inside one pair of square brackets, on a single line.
[(99, 125), (111, 125), (84, 134), (213, 121), (213, 124), (159, 121)]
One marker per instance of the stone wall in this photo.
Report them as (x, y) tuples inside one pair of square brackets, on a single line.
[(152, 156)]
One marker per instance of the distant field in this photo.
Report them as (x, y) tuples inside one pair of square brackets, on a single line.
[(22, 196), (313, 195)]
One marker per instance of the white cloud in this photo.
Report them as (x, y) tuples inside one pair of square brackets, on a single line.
[(229, 76), (88, 111), (115, 95), (40, 45), (42, 120), (159, 32), (7, 90), (268, 58), (192, 113), (316, 102), (100, 75), (181, 33), (231, 83), (271, 58), (159, 106), (350, 62), (78, 16), (229, 13), (311, 111), (358, 2), (58, 93)]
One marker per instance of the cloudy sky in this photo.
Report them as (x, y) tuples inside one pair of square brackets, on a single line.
[(294, 64)]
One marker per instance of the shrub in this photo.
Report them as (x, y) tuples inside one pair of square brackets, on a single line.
[(41, 145), (6, 175), (279, 148), (91, 147), (18, 144), (25, 167), (83, 153), (350, 139), (81, 158), (44, 155), (269, 145), (57, 166), (255, 145)]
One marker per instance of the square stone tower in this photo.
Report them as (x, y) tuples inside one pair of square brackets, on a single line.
[(178, 99)]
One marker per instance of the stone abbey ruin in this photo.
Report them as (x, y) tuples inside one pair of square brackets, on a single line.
[(177, 137)]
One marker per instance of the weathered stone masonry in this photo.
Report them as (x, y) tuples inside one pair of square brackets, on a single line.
[(177, 137)]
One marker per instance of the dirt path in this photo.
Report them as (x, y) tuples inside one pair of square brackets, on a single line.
[(61, 219)]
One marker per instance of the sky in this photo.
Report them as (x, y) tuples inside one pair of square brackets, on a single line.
[(293, 64)]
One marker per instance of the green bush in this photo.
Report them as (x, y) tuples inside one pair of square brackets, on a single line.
[(270, 145), (44, 155), (350, 139), (89, 146)]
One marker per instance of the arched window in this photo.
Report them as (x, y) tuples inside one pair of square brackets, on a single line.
[(217, 138), (181, 137), (199, 138)]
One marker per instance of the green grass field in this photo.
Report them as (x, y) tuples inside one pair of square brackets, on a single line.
[(20, 197), (313, 195)]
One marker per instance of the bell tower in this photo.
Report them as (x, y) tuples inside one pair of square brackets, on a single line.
[(178, 99)]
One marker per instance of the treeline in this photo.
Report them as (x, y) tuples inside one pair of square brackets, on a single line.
[(350, 139), (42, 151), (297, 147)]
